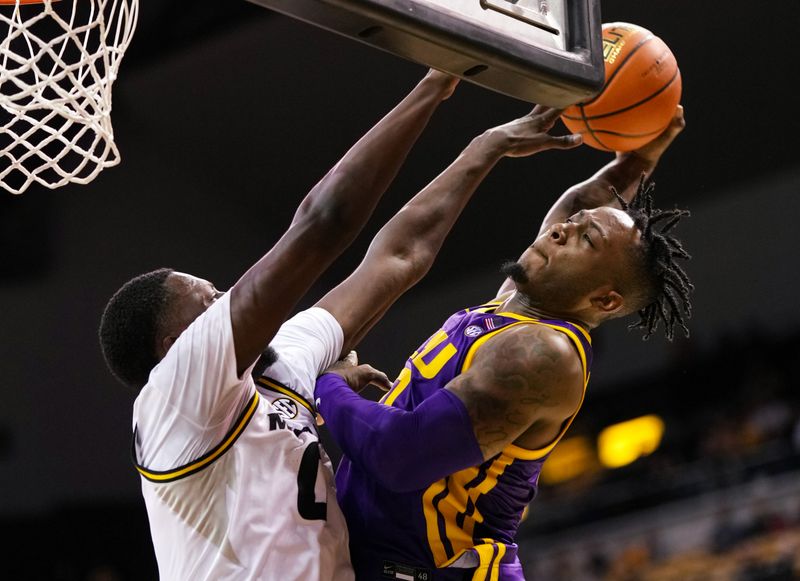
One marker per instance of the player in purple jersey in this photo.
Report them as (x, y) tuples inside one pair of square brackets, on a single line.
[(435, 480), (164, 315)]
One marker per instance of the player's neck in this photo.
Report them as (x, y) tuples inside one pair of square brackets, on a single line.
[(519, 304)]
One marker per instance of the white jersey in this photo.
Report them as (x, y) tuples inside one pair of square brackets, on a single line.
[(234, 478)]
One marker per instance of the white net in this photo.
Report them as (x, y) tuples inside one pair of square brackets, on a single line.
[(58, 62)]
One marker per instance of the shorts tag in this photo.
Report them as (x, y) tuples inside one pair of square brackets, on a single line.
[(392, 570)]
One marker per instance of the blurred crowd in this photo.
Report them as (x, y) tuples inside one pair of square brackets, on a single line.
[(732, 421), (762, 547)]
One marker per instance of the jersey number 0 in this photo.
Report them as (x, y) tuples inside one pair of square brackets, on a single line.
[(307, 504)]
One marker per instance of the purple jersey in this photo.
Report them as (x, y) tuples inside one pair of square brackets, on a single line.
[(463, 526)]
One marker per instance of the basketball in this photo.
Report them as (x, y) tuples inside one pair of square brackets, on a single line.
[(641, 91)]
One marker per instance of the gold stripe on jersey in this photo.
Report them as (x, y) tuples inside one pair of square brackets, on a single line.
[(278, 387), (401, 384), (578, 344), (567, 331), (431, 369), (432, 522), (458, 502), (448, 499), (489, 556), (519, 317), (207, 459), (516, 451), (525, 454), (427, 370)]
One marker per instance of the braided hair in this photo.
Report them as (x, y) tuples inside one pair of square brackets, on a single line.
[(667, 283)]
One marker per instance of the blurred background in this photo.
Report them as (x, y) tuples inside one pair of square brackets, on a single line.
[(684, 462)]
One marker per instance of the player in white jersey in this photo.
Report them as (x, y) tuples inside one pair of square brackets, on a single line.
[(213, 514), (235, 482)]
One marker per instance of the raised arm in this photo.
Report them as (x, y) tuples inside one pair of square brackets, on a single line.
[(405, 248), (623, 173), (328, 219)]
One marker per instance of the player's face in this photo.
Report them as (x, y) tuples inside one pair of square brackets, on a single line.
[(578, 257), (190, 297)]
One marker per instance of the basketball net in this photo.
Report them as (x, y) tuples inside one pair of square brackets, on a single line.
[(58, 62)]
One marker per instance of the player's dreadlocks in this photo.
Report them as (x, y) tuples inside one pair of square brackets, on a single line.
[(669, 284)]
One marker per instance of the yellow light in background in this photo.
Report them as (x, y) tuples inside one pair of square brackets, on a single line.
[(571, 457), (623, 443)]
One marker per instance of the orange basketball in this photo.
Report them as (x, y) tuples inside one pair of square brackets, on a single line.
[(640, 94)]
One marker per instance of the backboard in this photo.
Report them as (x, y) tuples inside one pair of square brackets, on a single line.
[(540, 51)]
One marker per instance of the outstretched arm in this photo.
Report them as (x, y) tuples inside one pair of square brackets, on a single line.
[(405, 248), (328, 219)]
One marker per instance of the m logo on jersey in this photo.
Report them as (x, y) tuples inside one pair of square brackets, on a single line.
[(473, 331), (287, 408)]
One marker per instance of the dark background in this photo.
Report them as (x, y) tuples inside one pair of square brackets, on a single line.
[(226, 114)]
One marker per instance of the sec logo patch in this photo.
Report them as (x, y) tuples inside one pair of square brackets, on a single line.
[(473, 331), (287, 408)]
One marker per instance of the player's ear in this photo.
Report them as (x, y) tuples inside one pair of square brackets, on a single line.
[(608, 301)]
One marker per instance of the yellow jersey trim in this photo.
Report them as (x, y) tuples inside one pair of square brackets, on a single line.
[(454, 502), (489, 556), (583, 331), (207, 459), (426, 369), (273, 385), (578, 344), (516, 451)]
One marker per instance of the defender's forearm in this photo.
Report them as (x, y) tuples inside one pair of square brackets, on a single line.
[(349, 192), (417, 232)]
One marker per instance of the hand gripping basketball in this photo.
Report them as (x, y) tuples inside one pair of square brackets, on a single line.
[(639, 96)]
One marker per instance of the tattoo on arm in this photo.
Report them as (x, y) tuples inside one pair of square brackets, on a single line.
[(514, 381)]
